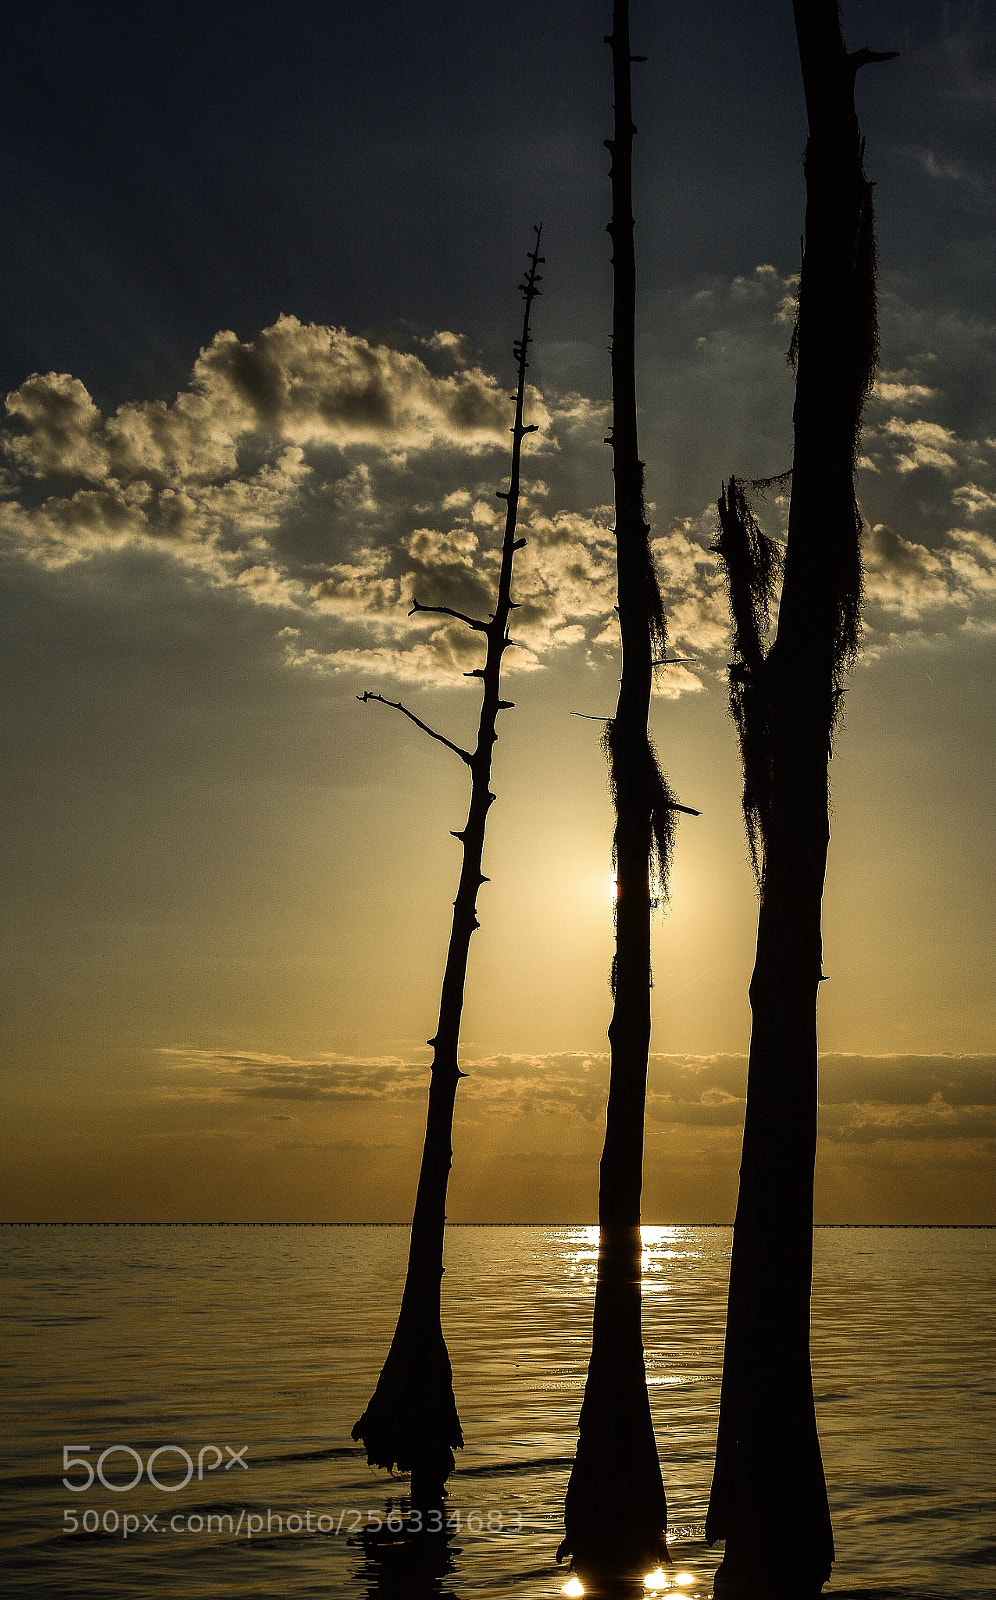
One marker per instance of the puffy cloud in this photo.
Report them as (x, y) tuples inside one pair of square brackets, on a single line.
[(923, 444), (901, 575), (900, 389), (217, 529), (694, 589), (295, 383), (360, 589), (444, 658), (565, 574), (334, 479), (308, 384), (319, 472), (455, 346), (973, 500), (61, 428), (564, 586), (63, 530), (911, 580)]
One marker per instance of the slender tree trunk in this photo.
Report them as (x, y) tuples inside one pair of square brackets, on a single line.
[(769, 1498), (411, 1422), (616, 1510)]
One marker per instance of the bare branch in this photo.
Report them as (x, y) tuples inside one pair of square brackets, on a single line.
[(672, 805), (856, 59), (397, 706), (447, 611)]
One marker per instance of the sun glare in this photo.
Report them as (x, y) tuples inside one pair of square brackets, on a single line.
[(573, 1586), (658, 1582)]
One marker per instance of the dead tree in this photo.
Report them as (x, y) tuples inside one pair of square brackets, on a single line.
[(411, 1422), (616, 1510), (769, 1499)]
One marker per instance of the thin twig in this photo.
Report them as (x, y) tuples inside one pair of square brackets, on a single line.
[(396, 705)]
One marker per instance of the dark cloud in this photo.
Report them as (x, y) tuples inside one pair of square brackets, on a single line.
[(260, 1077), (908, 1079)]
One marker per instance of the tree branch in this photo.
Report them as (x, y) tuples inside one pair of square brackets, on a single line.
[(447, 611), (856, 59), (397, 706)]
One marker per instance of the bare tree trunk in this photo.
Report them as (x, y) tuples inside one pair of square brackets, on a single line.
[(769, 1498), (411, 1422), (616, 1510)]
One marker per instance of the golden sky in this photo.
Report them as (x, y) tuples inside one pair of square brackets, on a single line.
[(228, 884)]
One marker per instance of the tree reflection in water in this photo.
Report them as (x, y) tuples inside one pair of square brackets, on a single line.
[(405, 1563)]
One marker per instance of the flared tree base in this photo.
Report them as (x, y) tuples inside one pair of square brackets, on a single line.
[(411, 1424), (791, 1579), (615, 1516)]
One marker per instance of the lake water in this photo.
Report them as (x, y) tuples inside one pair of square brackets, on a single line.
[(254, 1350)]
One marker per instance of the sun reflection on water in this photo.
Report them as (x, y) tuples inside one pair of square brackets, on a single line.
[(656, 1582), (652, 1237)]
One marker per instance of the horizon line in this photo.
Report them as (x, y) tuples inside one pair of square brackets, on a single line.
[(216, 1224)]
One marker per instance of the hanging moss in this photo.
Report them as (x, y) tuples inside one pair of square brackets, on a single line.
[(637, 770), (753, 564)]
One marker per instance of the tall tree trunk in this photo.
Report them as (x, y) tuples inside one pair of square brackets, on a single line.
[(769, 1498), (616, 1510), (411, 1422)]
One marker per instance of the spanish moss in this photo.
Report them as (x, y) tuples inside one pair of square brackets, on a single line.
[(753, 565), (655, 796)]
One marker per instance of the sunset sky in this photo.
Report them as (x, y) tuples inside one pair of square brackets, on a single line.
[(260, 272)]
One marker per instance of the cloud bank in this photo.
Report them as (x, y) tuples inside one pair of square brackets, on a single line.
[(863, 1099), (330, 478), (325, 476)]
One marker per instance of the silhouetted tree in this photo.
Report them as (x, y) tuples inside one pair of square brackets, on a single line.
[(769, 1499), (616, 1511), (411, 1422)]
